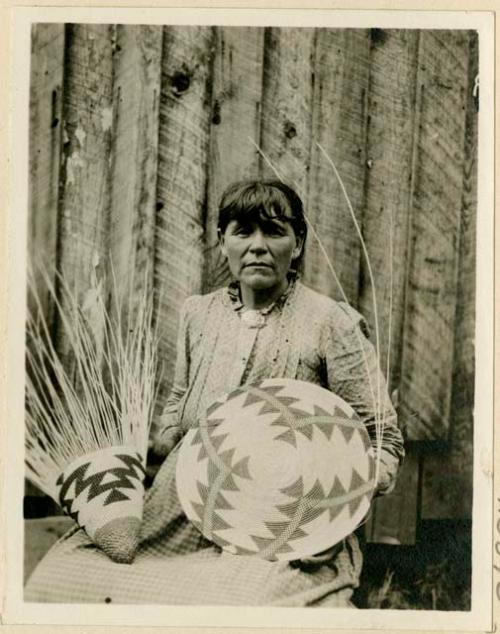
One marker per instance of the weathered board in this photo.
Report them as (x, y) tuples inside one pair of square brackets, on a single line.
[(287, 105), (235, 129), (85, 184), (341, 84), (46, 81), (394, 517), (182, 178), (391, 120), (45, 147), (426, 374), (447, 480), (136, 96)]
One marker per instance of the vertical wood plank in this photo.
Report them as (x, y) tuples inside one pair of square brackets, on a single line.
[(88, 121), (182, 178), (432, 280), (394, 517), (134, 150), (235, 122), (447, 480), (391, 121), (46, 82), (47, 69), (341, 84), (389, 150), (287, 104)]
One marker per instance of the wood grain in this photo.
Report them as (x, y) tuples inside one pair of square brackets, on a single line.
[(235, 123), (45, 152), (391, 121), (389, 149), (428, 333), (134, 150), (287, 104), (341, 83), (447, 480), (182, 178), (46, 81), (85, 183), (394, 517)]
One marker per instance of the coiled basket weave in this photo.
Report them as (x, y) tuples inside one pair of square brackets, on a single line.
[(281, 469)]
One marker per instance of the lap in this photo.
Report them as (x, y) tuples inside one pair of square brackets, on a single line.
[(176, 565), (75, 571)]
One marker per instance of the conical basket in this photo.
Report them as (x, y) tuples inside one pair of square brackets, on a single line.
[(103, 492)]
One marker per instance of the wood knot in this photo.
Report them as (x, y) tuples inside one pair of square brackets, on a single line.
[(180, 82), (289, 129), (378, 36), (216, 118)]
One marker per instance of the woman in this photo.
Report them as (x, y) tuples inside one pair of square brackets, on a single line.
[(265, 324)]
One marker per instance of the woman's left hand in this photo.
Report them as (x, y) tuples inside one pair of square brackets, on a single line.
[(317, 560), (166, 440)]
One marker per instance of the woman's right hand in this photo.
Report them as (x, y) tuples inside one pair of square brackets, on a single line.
[(165, 440)]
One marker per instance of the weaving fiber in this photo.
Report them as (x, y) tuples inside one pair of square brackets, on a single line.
[(87, 427)]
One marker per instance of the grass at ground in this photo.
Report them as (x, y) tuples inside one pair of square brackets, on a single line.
[(435, 574)]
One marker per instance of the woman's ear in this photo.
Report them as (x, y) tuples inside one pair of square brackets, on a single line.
[(298, 247), (222, 244)]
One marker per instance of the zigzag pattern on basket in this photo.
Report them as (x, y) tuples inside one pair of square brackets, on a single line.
[(102, 487), (113, 479), (280, 427)]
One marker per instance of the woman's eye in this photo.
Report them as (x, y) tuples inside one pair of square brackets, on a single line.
[(275, 231), (242, 231)]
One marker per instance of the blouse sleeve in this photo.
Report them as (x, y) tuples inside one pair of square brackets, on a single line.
[(169, 431), (353, 373)]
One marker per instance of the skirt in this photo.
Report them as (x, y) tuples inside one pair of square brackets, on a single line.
[(176, 565)]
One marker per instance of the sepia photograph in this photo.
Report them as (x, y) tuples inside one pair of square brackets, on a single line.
[(250, 323)]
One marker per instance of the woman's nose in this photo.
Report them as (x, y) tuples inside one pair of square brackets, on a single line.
[(258, 242)]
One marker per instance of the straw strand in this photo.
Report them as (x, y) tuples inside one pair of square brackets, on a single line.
[(110, 400)]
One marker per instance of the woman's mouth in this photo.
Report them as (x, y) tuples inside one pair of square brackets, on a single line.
[(258, 265)]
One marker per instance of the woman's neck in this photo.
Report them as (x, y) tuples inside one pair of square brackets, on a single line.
[(256, 299)]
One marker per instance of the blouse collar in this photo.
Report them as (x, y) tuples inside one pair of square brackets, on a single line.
[(233, 292)]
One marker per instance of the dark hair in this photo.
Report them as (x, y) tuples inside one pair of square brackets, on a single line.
[(261, 200)]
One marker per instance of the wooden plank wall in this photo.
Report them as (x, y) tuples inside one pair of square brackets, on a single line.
[(47, 63), (135, 131)]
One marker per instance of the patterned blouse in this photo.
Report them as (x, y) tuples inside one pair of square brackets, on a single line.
[(303, 335)]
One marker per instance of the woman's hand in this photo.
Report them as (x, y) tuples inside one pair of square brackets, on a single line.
[(165, 440), (388, 469), (310, 563)]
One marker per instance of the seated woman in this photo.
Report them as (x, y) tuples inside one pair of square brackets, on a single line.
[(266, 324)]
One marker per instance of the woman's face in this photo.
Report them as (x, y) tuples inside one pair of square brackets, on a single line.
[(260, 253)]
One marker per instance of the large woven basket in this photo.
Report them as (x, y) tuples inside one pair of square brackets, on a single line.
[(281, 469)]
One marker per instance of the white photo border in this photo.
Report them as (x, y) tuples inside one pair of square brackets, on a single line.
[(19, 612)]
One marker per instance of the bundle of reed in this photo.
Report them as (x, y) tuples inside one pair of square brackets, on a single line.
[(88, 415)]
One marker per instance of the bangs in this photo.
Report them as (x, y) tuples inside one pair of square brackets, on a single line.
[(260, 202), (256, 203)]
